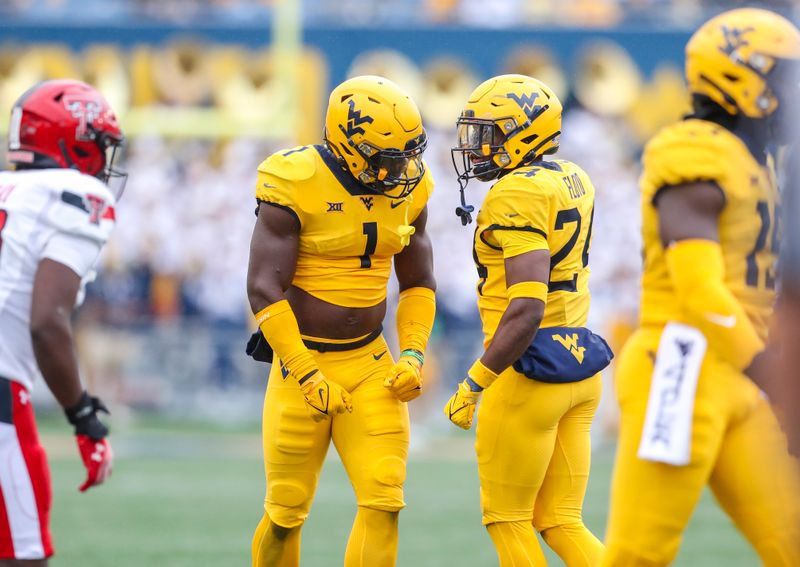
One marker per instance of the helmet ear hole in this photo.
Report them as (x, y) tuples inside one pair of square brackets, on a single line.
[(80, 152)]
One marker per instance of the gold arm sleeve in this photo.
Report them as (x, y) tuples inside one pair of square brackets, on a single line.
[(415, 313), (279, 326), (698, 273)]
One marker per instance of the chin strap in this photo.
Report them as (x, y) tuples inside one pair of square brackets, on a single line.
[(465, 211)]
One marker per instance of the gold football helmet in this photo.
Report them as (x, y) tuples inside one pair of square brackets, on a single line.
[(509, 121), (747, 61), (375, 130)]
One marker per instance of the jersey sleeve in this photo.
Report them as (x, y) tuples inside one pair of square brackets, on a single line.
[(76, 252), (86, 210), (518, 218), (278, 176), (687, 152)]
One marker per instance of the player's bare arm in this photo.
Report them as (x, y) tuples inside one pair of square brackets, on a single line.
[(273, 257), (54, 291), (523, 315), (273, 260), (689, 211), (414, 265), (415, 311), (515, 331)]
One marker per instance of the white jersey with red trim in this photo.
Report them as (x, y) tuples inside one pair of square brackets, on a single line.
[(59, 214)]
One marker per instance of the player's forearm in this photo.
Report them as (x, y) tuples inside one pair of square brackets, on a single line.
[(515, 332), (54, 350), (279, 326)]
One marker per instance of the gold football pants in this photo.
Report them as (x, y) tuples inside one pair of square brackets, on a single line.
[(737, 448), (534, 454), (372, 441)]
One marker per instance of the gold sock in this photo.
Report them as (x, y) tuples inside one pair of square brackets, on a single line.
[(373, 539), (516, 544), (275, 546), (575, 545)]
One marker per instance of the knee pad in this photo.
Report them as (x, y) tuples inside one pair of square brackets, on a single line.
[(383, 490), (390, 471), (287, 503)]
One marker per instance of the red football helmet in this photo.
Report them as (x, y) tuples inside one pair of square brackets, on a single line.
[(64, 123)]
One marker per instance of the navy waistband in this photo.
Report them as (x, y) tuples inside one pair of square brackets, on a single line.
[(321, 346)]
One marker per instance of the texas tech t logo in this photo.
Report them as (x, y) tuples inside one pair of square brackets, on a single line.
[(96, 206), (86, 111)]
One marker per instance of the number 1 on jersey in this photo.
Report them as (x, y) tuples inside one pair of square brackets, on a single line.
[(371, 231)]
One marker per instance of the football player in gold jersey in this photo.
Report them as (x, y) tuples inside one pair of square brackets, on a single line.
[(691, 410), (331, 220), (531, 250)]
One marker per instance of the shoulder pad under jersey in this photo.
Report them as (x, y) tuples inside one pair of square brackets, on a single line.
[(82, 205), (519, 200), (689, 151), (296, 164), (424, 189)]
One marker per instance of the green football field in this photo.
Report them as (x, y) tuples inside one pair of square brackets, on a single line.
[(181, 498)]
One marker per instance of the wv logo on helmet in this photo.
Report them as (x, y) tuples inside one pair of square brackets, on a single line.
[(734, 38), (355, 120), (527, 102)]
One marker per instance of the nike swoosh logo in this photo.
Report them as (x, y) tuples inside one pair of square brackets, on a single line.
[(512, 215), (268, 186), (728, 321), (378, 356), (395, 204), (321, 393)]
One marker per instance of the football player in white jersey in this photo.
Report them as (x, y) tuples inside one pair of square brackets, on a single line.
[(56, 213)]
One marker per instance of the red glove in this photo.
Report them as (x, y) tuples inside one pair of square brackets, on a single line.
[(91, 434), (98, 458)]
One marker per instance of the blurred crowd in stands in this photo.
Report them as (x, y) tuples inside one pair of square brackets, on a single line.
[(168, 312), (391, 13)]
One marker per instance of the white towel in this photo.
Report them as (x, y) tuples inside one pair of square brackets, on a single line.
[(667, 434)]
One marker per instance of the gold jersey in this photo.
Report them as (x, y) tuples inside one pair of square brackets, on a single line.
[(348, 234), (700, 151), (546, 206)]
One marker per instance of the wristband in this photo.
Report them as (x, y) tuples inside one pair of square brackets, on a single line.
[(83, 416), (414, 353), (481, 375)]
